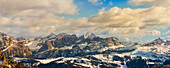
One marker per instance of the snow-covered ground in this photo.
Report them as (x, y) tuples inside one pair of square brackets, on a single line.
[(66, 47), (7, 48), (28, 44), (33, 45), (160, 49), (83, 45), (156, 52)]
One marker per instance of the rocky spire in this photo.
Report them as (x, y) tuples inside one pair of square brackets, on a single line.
[(89, 35)]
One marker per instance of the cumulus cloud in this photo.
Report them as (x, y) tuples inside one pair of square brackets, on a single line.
[(123, 21), (42, 28), (96, 2), (125, 39), (150, 2), (36, 17), (29, 21), (93, 1), (152, 33), (23, 13), (117, 17), (116, 21), (51, 6)]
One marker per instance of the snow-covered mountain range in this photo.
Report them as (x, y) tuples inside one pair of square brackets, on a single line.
[(87, 51)]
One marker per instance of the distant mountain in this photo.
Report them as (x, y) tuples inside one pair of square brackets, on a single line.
[(88, 51), (89, 35), (51, 35), (71, 45), (158, 41)]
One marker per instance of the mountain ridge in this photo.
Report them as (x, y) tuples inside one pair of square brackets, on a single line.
[(98, 50)]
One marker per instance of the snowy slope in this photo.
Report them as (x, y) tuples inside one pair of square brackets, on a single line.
[(33, 45), (7, 48), (160, 49)]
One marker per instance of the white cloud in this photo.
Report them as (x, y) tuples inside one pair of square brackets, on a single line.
[(126, 39), (93, 1), (150, 2), (31, 21), (123, 21), (40, 27), (153, 33), (35, 17), (40, 19), (116, 21), (51, 6), (96, 2)]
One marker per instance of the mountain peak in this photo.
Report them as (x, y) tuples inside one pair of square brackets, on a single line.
[(89, 35), (159, 40), (62, 34), (51, 35)]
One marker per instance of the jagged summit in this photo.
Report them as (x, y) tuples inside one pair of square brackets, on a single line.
[(89, 35), (62, 34), (158, 41), (51, 35), (4, 35)]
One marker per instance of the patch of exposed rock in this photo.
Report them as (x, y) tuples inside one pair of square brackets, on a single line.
[(7, 63)]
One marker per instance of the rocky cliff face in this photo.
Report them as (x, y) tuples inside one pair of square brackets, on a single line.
[(71, 45), (94, 51), (65, 40), (112, 41), (19, 50), (7, 63), (46, 45), (14, 47), (60, 45), (5, 39)]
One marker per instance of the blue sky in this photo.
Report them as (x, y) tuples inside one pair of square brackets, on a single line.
[(86, 9)]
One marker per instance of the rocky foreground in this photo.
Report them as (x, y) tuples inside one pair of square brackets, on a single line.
[(7, 63)]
